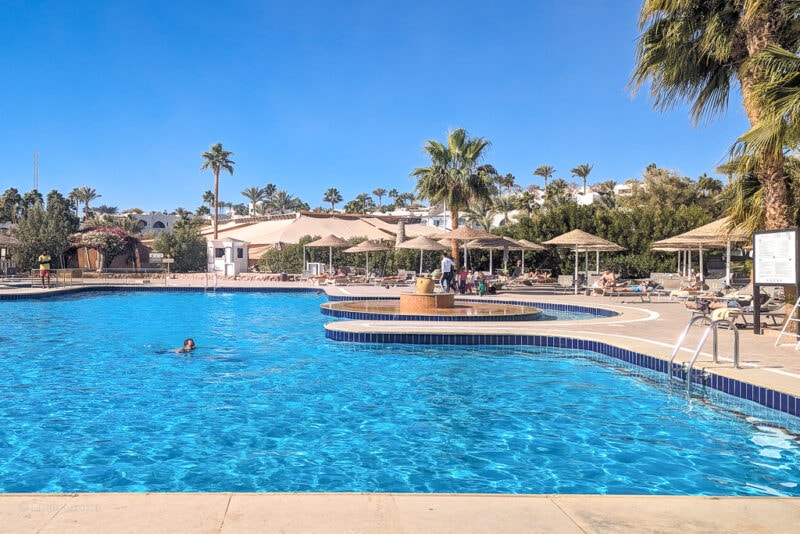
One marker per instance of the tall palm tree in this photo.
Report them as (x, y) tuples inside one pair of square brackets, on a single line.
[(217, 159), (379, 192), (86, 195), (333, 196), (582, 171), (694, 52), (454, 176), (545, 171), (254, 195)]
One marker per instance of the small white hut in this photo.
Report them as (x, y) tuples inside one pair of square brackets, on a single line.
[(227, 256)]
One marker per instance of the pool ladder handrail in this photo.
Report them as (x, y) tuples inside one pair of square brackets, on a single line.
[(214, 287), (712, 327)]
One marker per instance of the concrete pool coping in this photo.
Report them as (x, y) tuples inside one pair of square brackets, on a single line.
[(650, 328)]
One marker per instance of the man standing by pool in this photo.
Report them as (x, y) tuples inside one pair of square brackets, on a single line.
[(448, 269), (44, 267)]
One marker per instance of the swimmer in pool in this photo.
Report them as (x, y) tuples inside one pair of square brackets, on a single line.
[(188, 346)]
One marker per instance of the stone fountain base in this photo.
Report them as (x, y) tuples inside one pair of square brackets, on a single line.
[(425, 302)]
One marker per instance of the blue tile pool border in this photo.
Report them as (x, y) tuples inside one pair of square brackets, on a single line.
[(708, 381), (543, 306)]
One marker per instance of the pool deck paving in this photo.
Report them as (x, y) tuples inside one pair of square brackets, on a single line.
[(650, 328)]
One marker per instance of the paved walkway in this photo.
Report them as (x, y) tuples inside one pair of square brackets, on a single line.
[(650, 328)]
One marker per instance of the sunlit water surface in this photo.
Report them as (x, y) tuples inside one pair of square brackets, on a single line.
[(93, 399)]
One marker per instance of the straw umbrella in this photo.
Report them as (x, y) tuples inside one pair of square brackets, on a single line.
[(580, 240), (330, 241), (716, 234), (422, 243), (495, 243), (465, 233), (367, 246)]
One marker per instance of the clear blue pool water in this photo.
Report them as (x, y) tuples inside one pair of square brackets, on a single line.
[(92, 399)]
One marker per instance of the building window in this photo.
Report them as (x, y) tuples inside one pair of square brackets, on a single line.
[(240, 253), (219, 252)]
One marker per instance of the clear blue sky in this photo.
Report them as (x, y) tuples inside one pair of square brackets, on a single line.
[(124, 96)]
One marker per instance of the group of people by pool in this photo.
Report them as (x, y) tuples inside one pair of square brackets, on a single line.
[(465, 282)]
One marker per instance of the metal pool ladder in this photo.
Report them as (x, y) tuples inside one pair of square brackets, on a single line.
[(712, 327)]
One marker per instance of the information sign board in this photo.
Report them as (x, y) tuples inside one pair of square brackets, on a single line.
[(775, 257)]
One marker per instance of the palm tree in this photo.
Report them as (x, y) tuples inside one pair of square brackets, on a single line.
[(217, 159), (254, 195), (208, 200), (558, 193), (481, 212), (582, 171), (282, 201), (527, 201), (85, 194), (333, 196), (393, 194), (693, 51), (545, 171), (379, 192), (106, 210), (454, 176), (504, 204)]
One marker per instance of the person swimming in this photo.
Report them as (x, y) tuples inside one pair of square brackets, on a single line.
[(188, 346)]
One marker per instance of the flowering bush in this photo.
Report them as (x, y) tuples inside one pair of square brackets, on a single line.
[(110, 241)]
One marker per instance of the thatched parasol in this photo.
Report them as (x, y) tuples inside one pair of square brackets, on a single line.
[(580, 240), (331, 241), (367, 246), (8, 241), (496, 243), (422, 243), (717, 234), (464, 233)]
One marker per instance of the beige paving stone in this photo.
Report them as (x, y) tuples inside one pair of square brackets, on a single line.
[(483, 513), (122, 513), (30, 513), (633, 513)]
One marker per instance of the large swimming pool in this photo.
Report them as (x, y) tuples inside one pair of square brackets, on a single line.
[(93, 399)]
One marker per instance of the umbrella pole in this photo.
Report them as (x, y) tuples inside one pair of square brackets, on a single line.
[(330, 260), (576, 269), (596, 262), (523, 262), (700, 252), (420, 263), (728, 263)]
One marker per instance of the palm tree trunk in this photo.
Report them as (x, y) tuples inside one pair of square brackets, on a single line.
[(216, 203), (454, 246), (776, 213)]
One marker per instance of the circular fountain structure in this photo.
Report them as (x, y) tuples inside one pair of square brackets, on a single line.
[(425, 300), (426, 305)]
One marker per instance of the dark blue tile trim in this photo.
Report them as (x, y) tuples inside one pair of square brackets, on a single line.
[(544, 306), (768, 398)]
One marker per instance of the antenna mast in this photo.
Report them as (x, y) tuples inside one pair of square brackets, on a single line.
[(35, 171)]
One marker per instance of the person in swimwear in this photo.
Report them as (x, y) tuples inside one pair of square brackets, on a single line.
[(188, 346)]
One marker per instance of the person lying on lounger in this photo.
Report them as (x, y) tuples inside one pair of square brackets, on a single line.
[(645, 287)]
